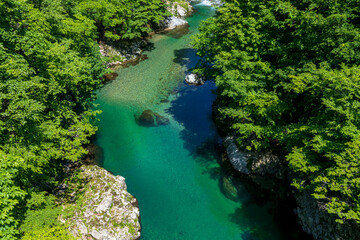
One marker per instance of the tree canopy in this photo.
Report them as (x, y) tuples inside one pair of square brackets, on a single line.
[(50, 66), (288, 79)]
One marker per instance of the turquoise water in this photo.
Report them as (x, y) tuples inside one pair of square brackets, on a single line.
[(174, 170)]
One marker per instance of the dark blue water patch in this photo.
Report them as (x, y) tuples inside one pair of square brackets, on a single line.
[(193, 109)]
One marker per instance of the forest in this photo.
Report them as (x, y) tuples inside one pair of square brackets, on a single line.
[(288, 80), (50, 66), (287, 75)]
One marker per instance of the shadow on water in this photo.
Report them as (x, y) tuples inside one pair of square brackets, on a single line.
[(208, 156), (249, 215), (186, 57), (193, 110)]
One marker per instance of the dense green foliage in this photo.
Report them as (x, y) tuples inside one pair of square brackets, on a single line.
[(288, 77), (50, 66), (120, 19)]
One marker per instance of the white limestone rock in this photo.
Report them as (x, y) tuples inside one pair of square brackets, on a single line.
[(210, 3), (173, 22), (105, 204), (82, 228), (108, 211), (96, 235), (179, 8), (182, 12), (194, 79), (237, 158)]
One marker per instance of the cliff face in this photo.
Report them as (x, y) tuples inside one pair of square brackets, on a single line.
[(316, 221), (104, 209), (266, 170)]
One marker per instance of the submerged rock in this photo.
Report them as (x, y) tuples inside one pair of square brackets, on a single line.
[(110, 76), (229, 189), (194, 79), (149, 118), (160, 120)]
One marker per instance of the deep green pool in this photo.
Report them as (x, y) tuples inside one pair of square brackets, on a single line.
[(173, 170)]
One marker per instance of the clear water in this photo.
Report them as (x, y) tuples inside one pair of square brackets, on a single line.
[(174, 170)]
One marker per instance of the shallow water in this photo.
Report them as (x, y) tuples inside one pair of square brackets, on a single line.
[(174, 170)]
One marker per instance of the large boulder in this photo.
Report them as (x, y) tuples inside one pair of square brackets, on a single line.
[(149, 118), (211, 3), (103, 209)]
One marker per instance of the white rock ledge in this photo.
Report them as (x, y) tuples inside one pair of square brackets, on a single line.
[(237, 158), (174, 22)]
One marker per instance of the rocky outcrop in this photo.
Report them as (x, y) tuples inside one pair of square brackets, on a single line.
[(121, 52), (248, 162), (315, 220), (229, 189), (194, 79), (179, 10), (269, 172), (105, 210), (149, 118), (171, 23), (237, 158)]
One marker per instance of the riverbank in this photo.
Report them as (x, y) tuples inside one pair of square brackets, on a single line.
[(298, 212), (125, 53), (93, 211), (174, 170)]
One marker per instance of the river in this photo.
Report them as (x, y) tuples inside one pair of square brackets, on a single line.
[(174, 170)]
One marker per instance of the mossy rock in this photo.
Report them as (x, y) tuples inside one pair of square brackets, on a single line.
[(110, 76), (229, 189), (149, 118)]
